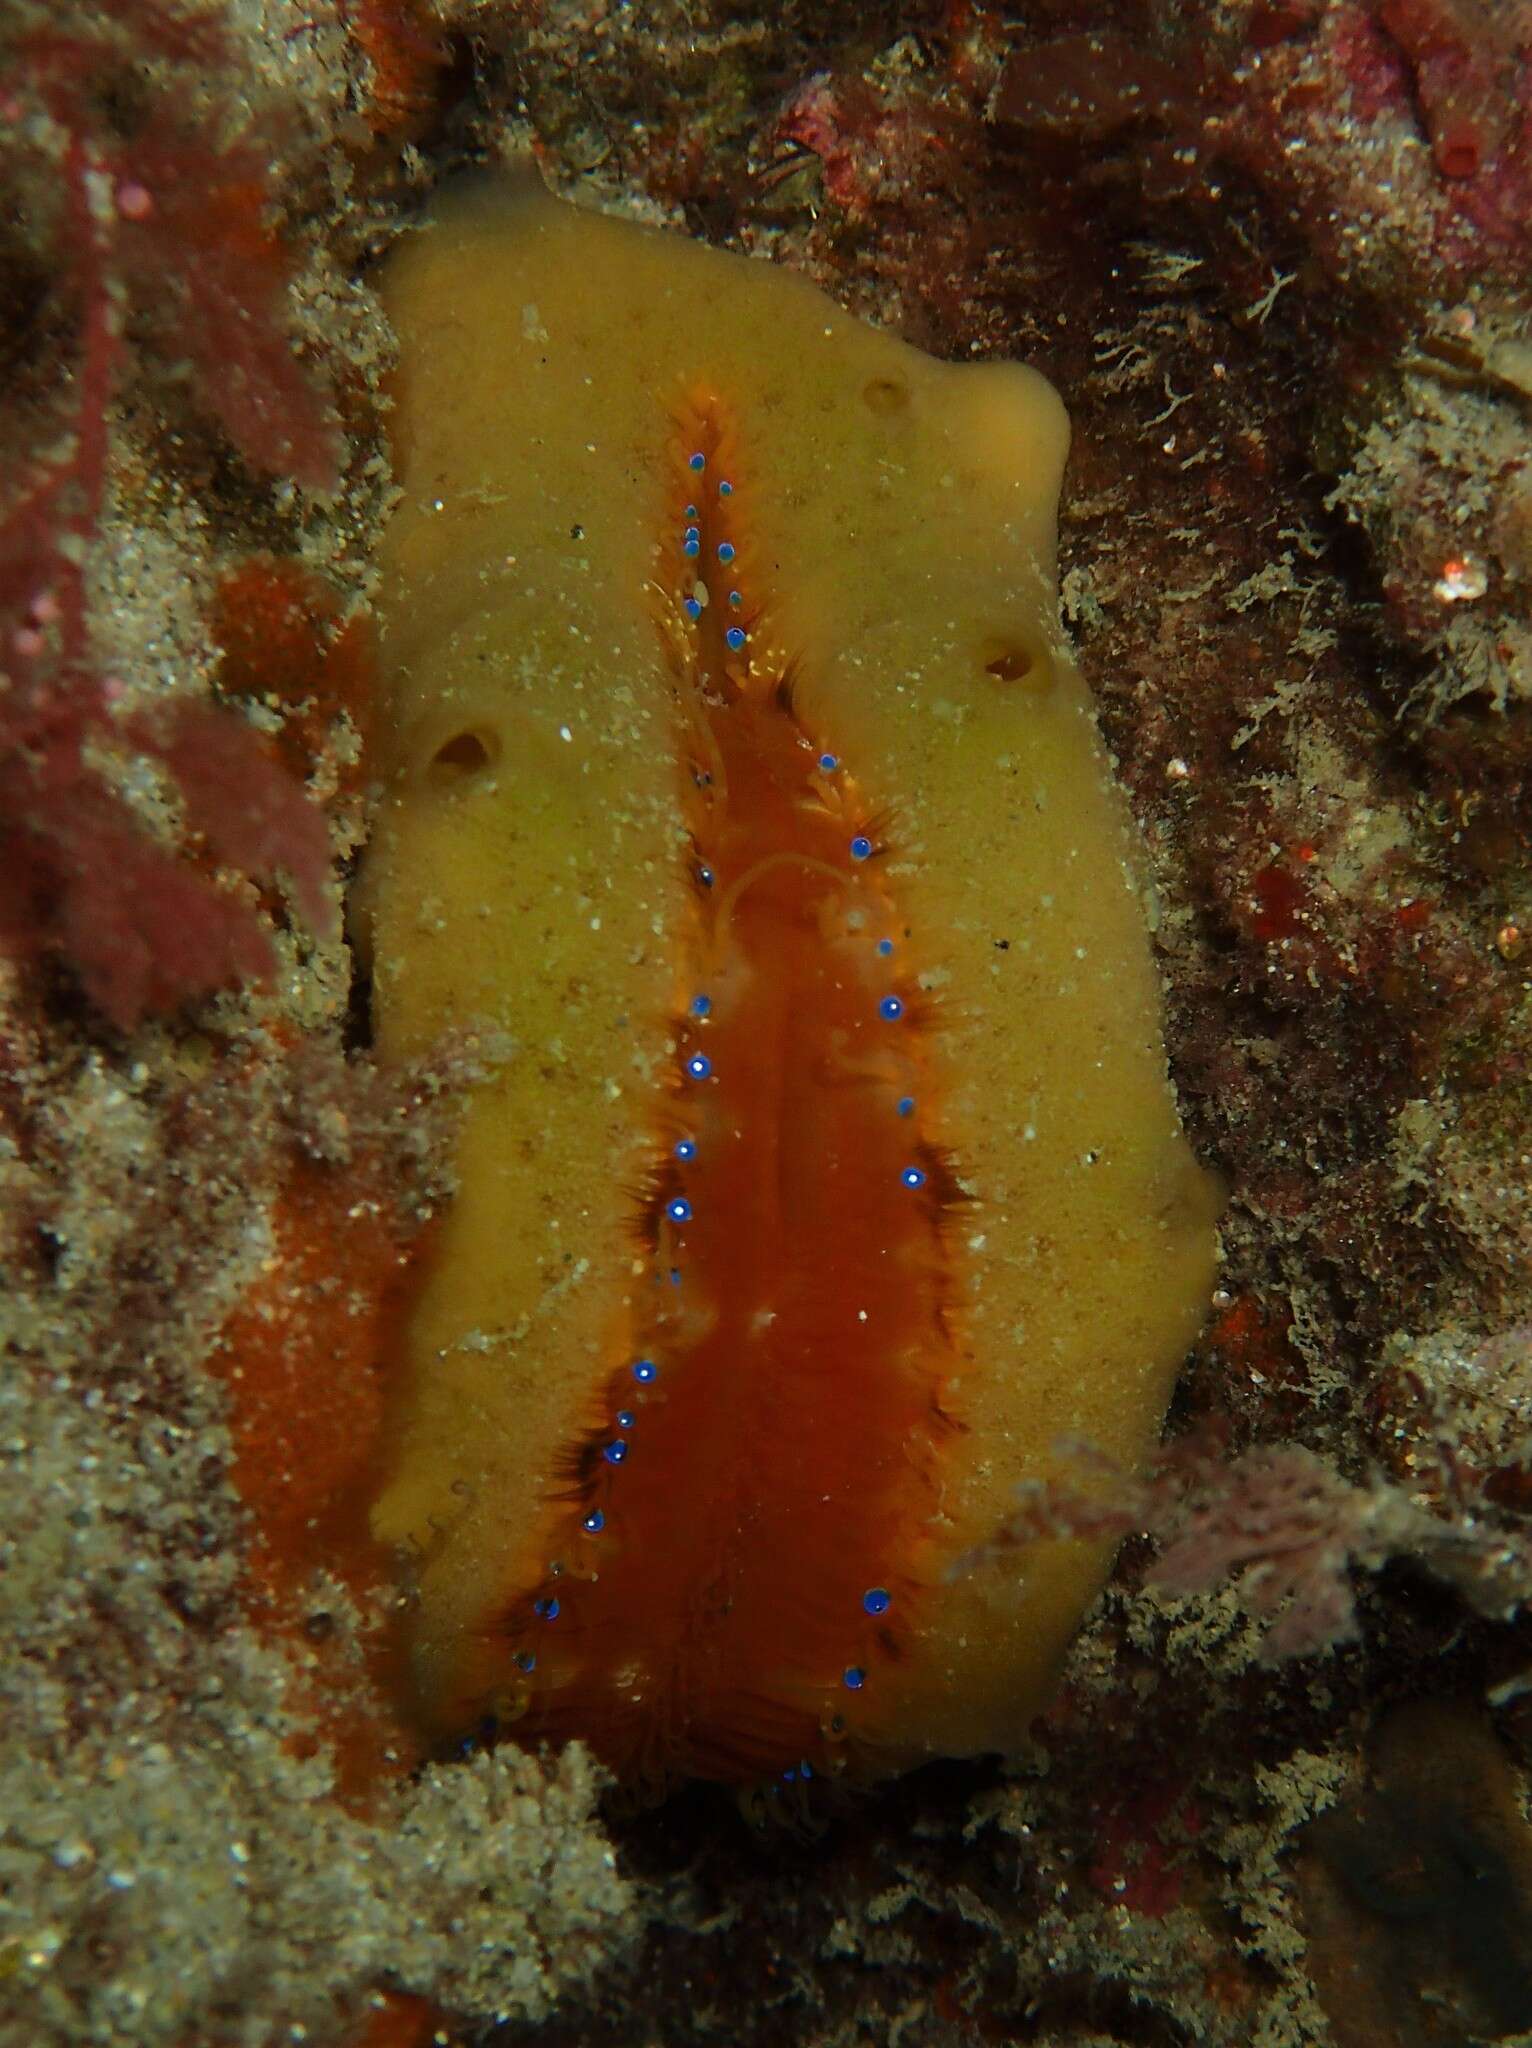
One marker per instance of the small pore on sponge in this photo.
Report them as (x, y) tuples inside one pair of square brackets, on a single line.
[(739, 778)]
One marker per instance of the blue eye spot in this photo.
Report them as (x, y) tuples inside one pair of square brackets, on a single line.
[(890, 1009), (735, 638), (692, 608), (701, 1005), (885, 947), (686, 1148), (913, 1177), (696, 462), (699, 1066), (691, 511), (705, 877), (615, 1451), (691, 546), (680, 1210), (853, 1678), (726, 551), (876, 1600), (525, 1661), (546, 1609), (906, 1105), (861, 847), (829, 763), (645, 1371), (626, 1418), (726, 490), (735, 598), (594, 1522)]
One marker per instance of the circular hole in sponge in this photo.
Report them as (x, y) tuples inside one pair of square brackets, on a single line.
[(885, 395), (466, 754), (1014, 661)]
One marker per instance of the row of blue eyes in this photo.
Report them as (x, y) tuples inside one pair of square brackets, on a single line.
[(734, 638), (877, 1599), (861, 846)]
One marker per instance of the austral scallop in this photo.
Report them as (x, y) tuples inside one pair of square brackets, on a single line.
[(827, 1173)]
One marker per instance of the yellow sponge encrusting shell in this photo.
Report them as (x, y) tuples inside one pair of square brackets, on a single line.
[(528, 878)]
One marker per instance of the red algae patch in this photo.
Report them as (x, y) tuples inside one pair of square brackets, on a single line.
[(739, 784)]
